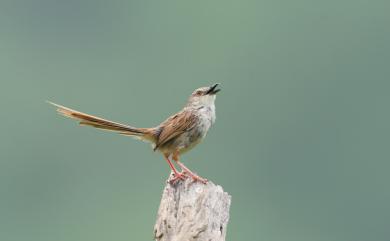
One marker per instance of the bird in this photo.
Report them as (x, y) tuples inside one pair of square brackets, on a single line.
[(173, 137)]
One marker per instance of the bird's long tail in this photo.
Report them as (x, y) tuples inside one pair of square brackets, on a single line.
[(100, 123)]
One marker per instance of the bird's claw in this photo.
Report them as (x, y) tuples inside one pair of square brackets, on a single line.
[(200, 179), (196, 178), (176, 177)]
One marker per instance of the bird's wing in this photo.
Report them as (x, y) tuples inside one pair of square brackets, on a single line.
[(176, 125)]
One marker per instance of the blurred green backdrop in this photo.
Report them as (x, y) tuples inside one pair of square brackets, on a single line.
[(301, 140)]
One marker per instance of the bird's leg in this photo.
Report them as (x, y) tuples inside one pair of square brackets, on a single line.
[(177, 175), (175, 157), (193, 175)]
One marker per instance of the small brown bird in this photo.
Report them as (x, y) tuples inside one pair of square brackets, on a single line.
[(174, 136)]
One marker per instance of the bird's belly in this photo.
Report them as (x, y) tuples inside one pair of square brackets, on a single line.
[(186, 146), (193, 137)]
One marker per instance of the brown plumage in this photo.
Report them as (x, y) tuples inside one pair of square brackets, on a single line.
[(174, 126), (174, 136), (100, 123)]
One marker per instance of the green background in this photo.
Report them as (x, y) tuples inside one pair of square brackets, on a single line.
[(301, 140)]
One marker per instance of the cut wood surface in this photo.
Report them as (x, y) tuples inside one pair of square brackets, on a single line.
[(192, 211)]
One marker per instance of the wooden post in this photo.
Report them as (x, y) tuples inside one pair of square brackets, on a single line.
[(192, 211)]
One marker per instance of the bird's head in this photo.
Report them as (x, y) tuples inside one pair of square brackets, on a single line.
[(204, 96)]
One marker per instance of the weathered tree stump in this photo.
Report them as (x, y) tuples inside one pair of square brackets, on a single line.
[(192, 211)]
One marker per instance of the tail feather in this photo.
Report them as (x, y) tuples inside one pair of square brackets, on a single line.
[(100, 123)]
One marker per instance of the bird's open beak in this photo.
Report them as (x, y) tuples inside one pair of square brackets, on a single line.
[(213, 90)]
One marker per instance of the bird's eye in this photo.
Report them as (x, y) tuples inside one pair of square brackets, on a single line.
[(198, 92)]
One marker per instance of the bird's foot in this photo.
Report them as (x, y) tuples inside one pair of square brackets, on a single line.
[(176, 177), (194, 176), (197, 178)]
